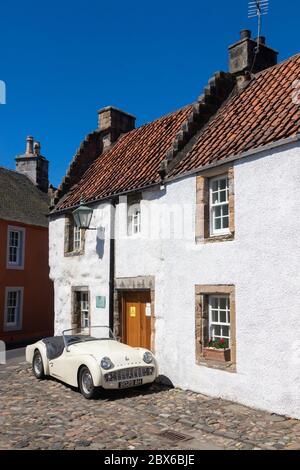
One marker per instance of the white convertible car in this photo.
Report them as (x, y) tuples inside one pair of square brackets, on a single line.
[(92, 361)]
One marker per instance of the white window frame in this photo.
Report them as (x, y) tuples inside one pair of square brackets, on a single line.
[(213, 205), (134, 219), (212, 323), (17, 324), (77, 238), (84, 309), (19, 264)]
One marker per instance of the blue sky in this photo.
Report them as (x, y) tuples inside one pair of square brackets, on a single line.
[(64, 60)]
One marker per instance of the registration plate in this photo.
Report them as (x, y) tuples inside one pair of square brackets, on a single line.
[(130, 383)]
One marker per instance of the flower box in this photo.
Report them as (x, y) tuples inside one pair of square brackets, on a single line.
[(217, 354)]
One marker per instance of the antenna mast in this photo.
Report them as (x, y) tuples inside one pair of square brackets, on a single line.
[(258, 8)]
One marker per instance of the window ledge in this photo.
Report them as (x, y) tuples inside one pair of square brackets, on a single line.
[(15, 266), (11, 329), (215, 239), (225, 366), (74, 253)]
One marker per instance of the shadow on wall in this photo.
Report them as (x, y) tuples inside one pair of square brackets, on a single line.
[(100, 242)]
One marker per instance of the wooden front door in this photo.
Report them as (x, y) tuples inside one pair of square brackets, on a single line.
[(137, 319)]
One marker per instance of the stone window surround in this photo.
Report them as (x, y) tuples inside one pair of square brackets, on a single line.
[(74, 290), (201, 324), (69, 225), (125, 284), (202, 225)]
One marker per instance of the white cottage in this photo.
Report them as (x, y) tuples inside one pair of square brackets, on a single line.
[(195, 249)]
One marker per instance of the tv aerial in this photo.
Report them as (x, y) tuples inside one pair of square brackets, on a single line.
[(257, 9)]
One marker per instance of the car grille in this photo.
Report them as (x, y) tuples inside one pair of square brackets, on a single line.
[(129, 373)]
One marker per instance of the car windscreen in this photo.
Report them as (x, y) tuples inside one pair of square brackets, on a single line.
[(82, 335)]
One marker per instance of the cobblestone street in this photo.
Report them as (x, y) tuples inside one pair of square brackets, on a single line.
[(50, 415)]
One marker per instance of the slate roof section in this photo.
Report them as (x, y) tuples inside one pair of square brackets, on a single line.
[(263, 113), (21, 201)]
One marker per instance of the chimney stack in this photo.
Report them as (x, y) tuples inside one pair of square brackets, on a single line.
[(34, 165), (113, 122), (244, 58)]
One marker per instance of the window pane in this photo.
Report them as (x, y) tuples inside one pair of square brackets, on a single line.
[(217, 329), (217, 224), (214, 316), (223, 183), (223, 318), (215, 185), (225, 222), (223, 196), (223, 302), (218, 212), (225, 331), (225, 209), (215, 198)]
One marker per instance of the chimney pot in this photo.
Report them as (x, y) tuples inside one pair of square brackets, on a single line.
[(29, 145), (37, 149), (245, 34)]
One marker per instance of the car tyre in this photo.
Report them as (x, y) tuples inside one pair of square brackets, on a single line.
[(86, 384), (38, 366), (146, 386)]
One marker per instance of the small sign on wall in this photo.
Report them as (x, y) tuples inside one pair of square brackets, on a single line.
[(100, 301), (132, 311), (148, 310)]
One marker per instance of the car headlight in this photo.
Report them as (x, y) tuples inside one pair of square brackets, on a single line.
[(106, 363), (147, 357)]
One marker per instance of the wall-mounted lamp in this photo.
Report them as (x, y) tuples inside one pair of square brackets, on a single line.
[(83, 216)]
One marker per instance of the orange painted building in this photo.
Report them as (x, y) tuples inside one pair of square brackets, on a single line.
[(26, 292)]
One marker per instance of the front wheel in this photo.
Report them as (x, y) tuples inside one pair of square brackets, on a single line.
[(86, 384), (37, 366)]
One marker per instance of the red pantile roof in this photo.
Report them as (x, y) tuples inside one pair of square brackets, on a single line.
[(261, 114), (133, 162)]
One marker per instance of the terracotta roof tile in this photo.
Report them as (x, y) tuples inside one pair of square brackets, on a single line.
[(133, 162), (262, 113)]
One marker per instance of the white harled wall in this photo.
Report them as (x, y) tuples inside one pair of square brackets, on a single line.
[(262, 262), (90, 269)]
